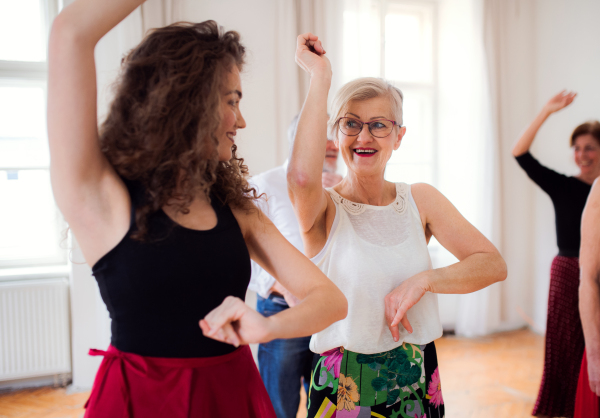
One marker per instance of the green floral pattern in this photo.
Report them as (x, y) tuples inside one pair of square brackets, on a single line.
[(391, 384)]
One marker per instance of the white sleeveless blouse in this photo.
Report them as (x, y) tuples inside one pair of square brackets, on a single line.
[(369, 252)]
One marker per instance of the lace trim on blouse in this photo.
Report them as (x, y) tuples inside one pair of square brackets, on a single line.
[(399, 204)]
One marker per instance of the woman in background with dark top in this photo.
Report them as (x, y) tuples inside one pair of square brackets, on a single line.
[(564, 335), (160, 206)]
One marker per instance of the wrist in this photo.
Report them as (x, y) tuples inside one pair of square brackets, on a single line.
[(272, 329), (321, 78), (426, 280), (545, 113)]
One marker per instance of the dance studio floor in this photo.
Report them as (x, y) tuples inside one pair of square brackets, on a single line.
[(492, 377)]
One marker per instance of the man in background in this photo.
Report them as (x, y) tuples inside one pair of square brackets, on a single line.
[(283, 363)]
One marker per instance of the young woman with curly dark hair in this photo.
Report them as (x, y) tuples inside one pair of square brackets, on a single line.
[(160, 206)]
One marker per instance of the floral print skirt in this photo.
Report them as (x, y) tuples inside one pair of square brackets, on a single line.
[(403, 382)]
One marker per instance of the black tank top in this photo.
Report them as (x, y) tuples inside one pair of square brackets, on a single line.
[(157, 291)]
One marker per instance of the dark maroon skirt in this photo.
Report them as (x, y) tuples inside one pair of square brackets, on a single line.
[(564, 341), (129, 386)]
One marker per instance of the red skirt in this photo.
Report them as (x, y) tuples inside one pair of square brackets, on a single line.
[(587, 404), (129, 386)]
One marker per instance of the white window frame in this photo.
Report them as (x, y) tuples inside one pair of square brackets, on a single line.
[(23, 73), (431, 88)]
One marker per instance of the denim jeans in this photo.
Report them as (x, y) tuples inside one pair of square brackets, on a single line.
[(282, 363)]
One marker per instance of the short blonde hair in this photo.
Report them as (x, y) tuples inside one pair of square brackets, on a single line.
[(363, 89)]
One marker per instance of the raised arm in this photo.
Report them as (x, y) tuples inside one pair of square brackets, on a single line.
[(589, 284), (480, 264), (558, 102), (306, 162), (90, 195), (322, 303)]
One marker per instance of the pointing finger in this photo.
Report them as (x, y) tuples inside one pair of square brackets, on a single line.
[(395, 332), (406, 324)]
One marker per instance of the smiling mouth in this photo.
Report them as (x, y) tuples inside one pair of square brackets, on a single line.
[(365, 152), (231, 136)]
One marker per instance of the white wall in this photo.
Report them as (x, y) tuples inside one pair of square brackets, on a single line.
[(567, 56), (514, 75), (260, 143)]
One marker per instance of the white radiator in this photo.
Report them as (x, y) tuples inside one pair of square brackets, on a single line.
[(34, 328)]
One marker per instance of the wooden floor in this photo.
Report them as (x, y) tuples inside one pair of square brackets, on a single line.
[(492, 377)]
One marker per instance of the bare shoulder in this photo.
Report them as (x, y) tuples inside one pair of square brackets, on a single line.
[(426, 196), (250, 219)]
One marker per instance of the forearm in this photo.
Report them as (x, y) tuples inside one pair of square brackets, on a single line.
[(525, 141), (589, 309), (321, 307), (589, 264), (90, 20), (475, 272), (308, 153), (72, 114)]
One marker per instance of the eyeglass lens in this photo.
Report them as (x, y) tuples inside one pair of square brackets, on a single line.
[(378, 128)]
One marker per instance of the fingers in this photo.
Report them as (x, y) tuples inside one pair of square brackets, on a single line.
[(402, 318), (304, 38), (230, 336), (217, 324), (397, 304), (395, 332), (309, 42), (406, 324), (226, 333), (316, 47), (395, 316)]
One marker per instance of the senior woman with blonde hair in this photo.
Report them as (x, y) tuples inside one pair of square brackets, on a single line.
[(369, 236)]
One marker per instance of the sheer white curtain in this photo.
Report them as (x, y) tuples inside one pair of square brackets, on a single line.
[(468, 146)]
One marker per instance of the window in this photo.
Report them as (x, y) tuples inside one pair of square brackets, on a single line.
[(29, 220), (395, 40)]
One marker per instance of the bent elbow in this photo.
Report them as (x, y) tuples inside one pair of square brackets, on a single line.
[(297, 179), (67, 33), (501, 270), (342, 306)]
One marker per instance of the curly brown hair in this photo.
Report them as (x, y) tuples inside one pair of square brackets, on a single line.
[(160, 130)]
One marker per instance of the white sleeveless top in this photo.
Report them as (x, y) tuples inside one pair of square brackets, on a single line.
[(369, 252)]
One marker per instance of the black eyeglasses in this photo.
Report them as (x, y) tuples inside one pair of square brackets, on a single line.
[(379, 128)]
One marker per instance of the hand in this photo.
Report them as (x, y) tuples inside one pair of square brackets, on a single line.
[(310, 55), (399, 301), (594, 373), (289, 298), (330, 179), (235, 323), (560, 101)]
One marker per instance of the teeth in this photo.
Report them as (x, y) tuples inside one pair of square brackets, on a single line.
[(365, 151)]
